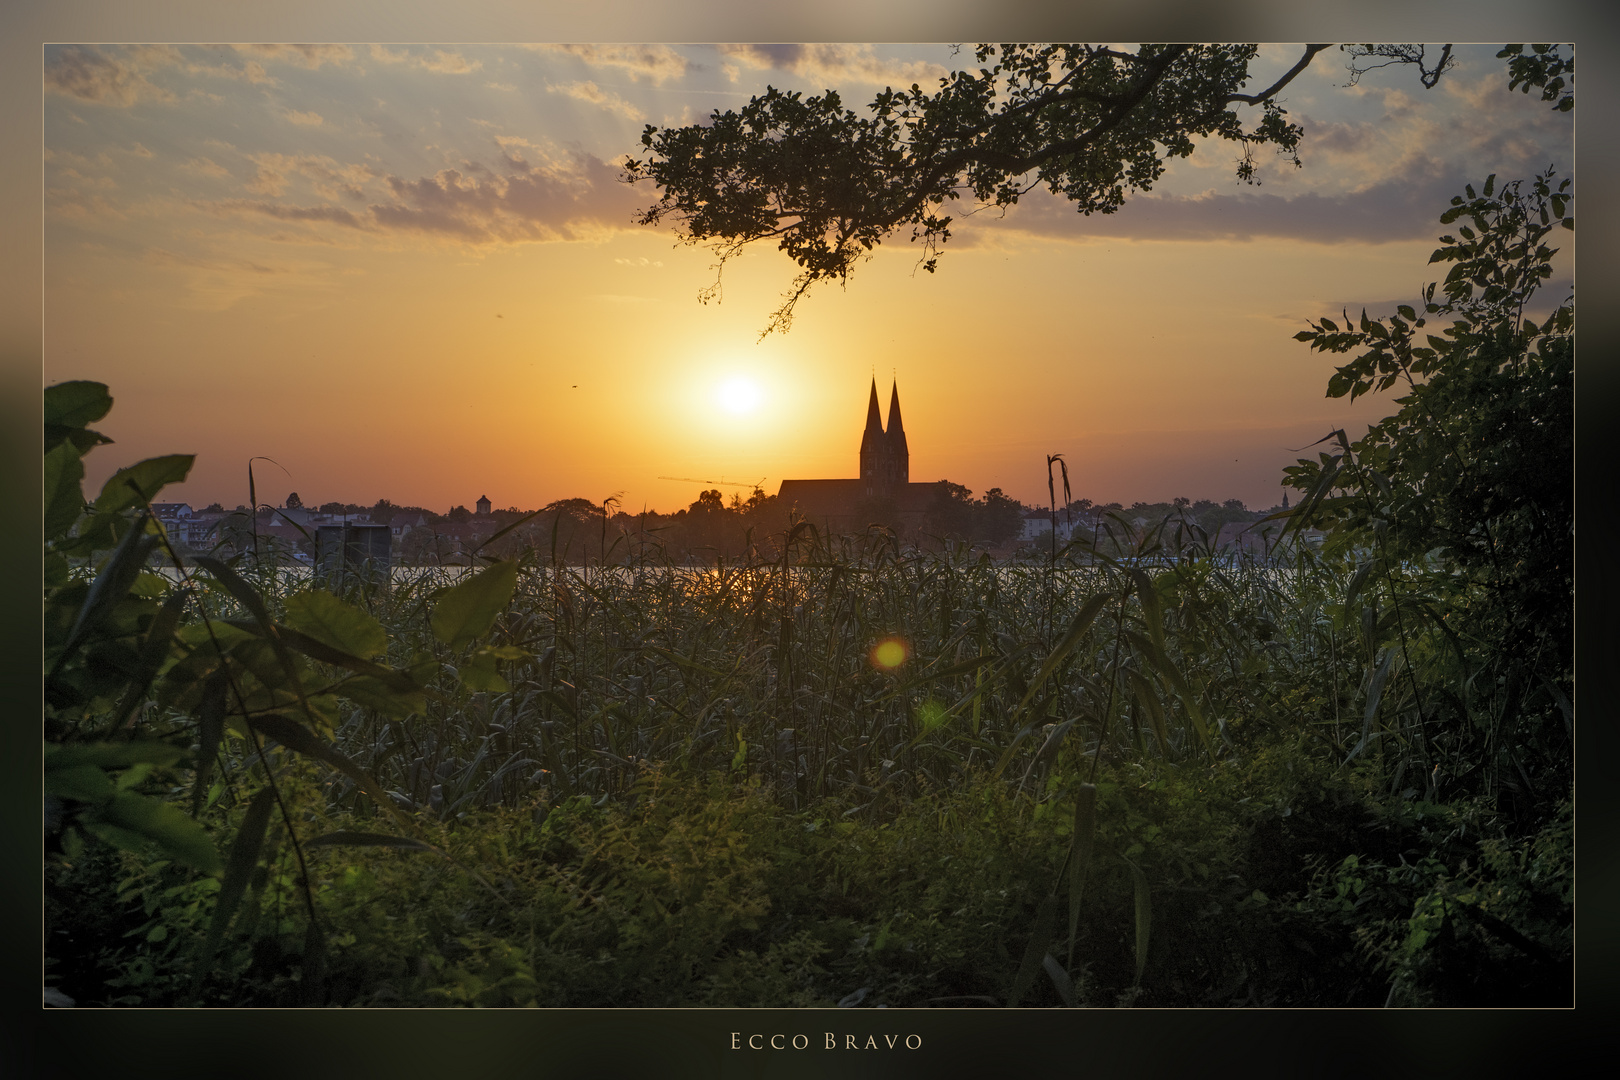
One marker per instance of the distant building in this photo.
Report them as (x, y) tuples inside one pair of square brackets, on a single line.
[(883, 493), (483, 506), (1038, 526), (350, 553)]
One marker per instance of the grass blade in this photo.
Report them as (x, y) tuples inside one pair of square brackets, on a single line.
[(1080, 845), (1036, 951), (244, 857)]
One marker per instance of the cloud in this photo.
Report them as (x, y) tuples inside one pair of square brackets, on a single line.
[(1400, 208), (575, 199), (590, 92), (835, 64), (309, 56), (578, 197), (328, 178), (90, 75), (657, 63), (1337, 137), (250, 71), (204, 166), (329, 215), (307, 119), (66, 203), (439, 60)]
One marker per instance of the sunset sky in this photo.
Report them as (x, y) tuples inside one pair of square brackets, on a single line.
[(411, 272)]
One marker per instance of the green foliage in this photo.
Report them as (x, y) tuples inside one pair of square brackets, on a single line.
[(468, 610), (828, 184), (1459, 506), (1543, 68), (133, 690)]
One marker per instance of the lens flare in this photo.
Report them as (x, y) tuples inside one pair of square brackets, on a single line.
[(889, 654)]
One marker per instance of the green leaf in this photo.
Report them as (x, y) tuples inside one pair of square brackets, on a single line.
[(1034, 953), (469, 609), (87, 783), (478, 672), (110, 755), (75, 404), (210, 729), (69, 407), (131, 817), (62, 490), (1080, 845), (300, 739), (333, 622), (142, 481), (384, 696), (1144, 919), (244, 857), (112, 582)]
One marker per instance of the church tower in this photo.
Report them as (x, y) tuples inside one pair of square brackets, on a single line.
[(899, 453), (885, 457)]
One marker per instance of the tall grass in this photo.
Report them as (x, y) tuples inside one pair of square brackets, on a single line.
[(767, 670)]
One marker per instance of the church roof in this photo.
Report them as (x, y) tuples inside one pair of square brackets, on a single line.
[(897, 429), (872, 438)]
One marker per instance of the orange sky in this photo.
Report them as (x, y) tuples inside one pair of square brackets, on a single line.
[(409, 273)]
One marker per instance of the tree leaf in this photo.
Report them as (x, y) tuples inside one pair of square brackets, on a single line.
[(469, 609), (110, 755), (130, 815), (62, 490), (142, 481), (69, 407), (478, 672), (77, 403), (87, 783), (333, 622)]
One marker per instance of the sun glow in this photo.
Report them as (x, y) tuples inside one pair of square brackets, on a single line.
[(739, 395)]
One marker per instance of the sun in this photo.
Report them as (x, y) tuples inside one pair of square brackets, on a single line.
[(740, 395)]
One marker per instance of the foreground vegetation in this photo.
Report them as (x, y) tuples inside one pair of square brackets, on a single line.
[(857, 772)]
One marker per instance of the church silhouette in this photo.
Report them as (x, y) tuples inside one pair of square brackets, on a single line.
[(882, 494)]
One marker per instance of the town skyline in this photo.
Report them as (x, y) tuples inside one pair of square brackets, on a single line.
[(412, 270)]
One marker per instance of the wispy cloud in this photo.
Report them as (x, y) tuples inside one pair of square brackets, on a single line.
[(309, 56), (89, 75), (205, 166), (656, 63), (328, 178), (443, 61), (329, 215), (1398, 209), (834, 64), (577, 197), (306, 119), (595, 95)]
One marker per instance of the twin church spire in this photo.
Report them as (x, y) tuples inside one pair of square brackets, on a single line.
[(885, 458)]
